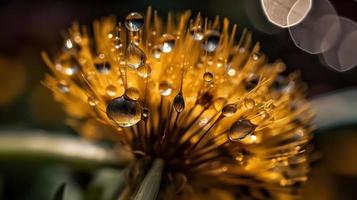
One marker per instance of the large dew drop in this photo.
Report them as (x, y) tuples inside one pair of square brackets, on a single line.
[(240, 129), (124, 112), (179, 103), (135, 57), (134, 21)]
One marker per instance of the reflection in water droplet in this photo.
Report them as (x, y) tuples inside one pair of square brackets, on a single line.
[(229, 110), (240, 129), (124, 112), (63, 86), (111, 90), (219, 103), (135, 57), (132, 93), (144, 71), (103, 67), (211, 41), (167, 43), (208, 77), (134, 21), (179, 103), (165, 88)]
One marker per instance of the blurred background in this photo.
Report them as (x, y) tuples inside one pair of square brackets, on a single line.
[(29, 27)]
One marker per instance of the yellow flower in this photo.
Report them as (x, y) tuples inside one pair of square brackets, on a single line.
[(186, 91)]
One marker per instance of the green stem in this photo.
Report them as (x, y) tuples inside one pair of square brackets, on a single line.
[(150, 186), (37, 146)]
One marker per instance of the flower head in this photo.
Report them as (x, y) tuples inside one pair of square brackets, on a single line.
[(186, 91)]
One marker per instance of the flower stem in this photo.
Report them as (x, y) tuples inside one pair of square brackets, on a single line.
[(150, 186)]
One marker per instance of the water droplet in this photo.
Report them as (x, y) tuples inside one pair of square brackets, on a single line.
[(219, 103), (125, 112), (117, 44), (167, 43), (68, 66), (156, 52), (111, 90), (179, 103), (144, 71), (165, 88), (92, 101), (63, 86), (256, 56), (211, 40), (240, 129), (145, 113), (249, 103), (134, 21), (71, 46), (135, 57), (103, 67), (229, 110), (132, 93), (208, 77), (197, 33)]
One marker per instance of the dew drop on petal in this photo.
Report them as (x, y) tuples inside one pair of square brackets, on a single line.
[(144, 71), (165, 88), (156, 52), (145, 113), (240, 129), (111, 90), (92, 101), (179, 103), (167, 43), (208, 77), (124, 112), (229, 110), (132, 93), (135, 57), (197, 33), (134, 21), (211, 40), (249, 103)]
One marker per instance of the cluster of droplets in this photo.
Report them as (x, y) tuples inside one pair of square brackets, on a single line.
[(233, 96)]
